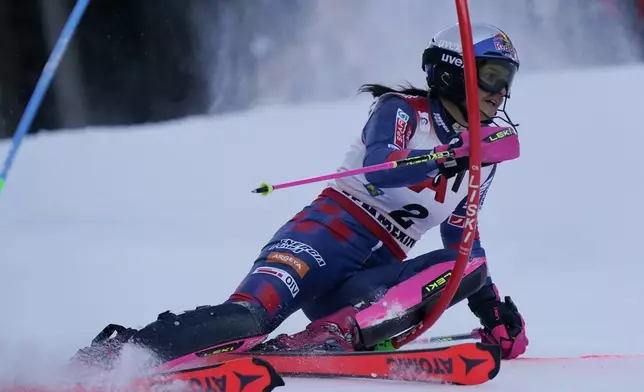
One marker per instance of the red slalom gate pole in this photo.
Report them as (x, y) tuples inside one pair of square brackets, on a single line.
[(473, 190)]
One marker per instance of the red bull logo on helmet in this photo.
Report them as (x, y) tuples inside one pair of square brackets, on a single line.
[(503, 44)]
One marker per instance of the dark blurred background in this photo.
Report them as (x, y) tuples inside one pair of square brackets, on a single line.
[(140, 61), (133, 61)]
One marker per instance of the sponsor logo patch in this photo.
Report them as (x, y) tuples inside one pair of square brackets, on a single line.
[(298, 247), (284, 258), (284, 276), (439, 122), (226, 348), (424, 118), (402, 120), (503, 44), (450, 45), (454, 60), (485, 187), (432, 287), (456, 220), (500, 135), (373, 190)]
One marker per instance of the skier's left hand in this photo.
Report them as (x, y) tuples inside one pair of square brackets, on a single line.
[(501, 320)]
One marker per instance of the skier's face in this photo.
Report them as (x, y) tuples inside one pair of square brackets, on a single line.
[(489, 103), (494, 77)]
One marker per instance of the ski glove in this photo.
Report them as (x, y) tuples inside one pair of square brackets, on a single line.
[(459, 149), (497, 145), (502, 323)]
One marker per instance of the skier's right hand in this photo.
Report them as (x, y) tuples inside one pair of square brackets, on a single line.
[(502, 323), (459, 147)]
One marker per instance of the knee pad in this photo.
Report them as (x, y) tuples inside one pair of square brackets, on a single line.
[(172, 336)]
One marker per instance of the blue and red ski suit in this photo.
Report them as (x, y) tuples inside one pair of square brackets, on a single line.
[(333, 253)]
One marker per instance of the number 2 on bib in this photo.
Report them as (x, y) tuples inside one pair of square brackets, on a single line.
[(403, 217), (436, 184)]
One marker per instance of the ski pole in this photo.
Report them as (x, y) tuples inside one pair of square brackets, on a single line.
[(265, 189), (43, 84), (387, 345), (475, 334)]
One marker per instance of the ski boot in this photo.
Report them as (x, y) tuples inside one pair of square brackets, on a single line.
[(104, 349), (337, 332)]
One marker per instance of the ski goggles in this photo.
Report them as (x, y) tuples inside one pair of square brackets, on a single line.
[(495, 75)]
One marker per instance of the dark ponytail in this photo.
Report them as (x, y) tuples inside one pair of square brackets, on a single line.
[(376, 90)]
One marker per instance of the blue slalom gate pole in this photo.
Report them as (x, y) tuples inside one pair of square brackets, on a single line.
[(43, 85)]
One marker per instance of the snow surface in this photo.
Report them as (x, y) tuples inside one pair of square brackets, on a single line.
[(117, 225)]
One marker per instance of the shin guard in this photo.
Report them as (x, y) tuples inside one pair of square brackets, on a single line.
[(406, 304)]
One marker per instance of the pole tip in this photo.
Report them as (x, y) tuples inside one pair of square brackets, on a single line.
[(264, 189)]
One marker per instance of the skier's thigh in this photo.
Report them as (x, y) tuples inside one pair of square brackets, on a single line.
[(364, 286), (298, 265)]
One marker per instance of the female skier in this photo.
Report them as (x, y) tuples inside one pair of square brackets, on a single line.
[(342, 259)]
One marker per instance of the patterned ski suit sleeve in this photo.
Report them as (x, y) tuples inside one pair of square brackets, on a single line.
[(391, 124), (452, 228)]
